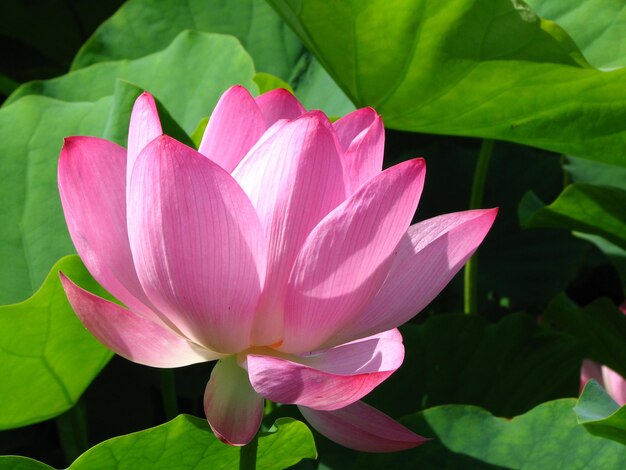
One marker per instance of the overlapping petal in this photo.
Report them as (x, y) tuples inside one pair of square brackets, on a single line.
[(279, 104), (294, 179), (130, 335), (197, 244), (232, 407), (345, 260), (362, 138), (145, 126), (236, 124), (92, 185), (428, 257), (362, 427), (329, 379)]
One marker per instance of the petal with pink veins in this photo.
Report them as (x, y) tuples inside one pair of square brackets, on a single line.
[(362, 137), (197, 243), (279, 104), (92, 185), (232, 407), (346, 258), (361, 427), (130, 335), (234, 127), (145, 126), (329, 379), (428, 257), (293, 179)]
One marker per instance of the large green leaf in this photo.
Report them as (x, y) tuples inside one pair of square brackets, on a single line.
[(597, 26), (462, 67), (47, 358), (188, 442), (600, 325), (597, 210), (602, 417), (468, 437), (34, 234), (507, 367), (153, 24), (189, 91), (32, 131)]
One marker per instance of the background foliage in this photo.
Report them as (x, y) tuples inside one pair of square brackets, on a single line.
[(547, 84)]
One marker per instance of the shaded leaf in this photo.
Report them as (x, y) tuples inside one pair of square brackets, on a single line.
[(597, 210), (548, 436), (602, 417), (461, 67), (153, 24), (173, 74), (47, 357), (507, 367), (600, 325)]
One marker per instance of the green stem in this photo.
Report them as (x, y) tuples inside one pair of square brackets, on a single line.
[(247, 455), (269, 408), (168, 393), (470, 275), (72, 429)]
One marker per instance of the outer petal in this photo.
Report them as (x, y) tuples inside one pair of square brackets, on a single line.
[(92, 185), (145, 126), (432, 252), (231, 405), (279, 104), (362, 136), (615, 385), (293, 179), (363, 428), (197, 244), (328, 380), (346, 258), (131, 336), (235, 126)]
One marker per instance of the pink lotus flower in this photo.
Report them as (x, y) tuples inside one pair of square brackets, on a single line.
[(279, 249)]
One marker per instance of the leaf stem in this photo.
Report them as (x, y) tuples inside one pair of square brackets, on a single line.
[(72, 429), (247, 454), (470, 274), (168, 393)]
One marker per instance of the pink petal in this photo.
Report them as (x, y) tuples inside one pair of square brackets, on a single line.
[(327, 380), (197, 244), (145, 126), (615, 385), (131, 336), (279, 104), (363, 428), (293, 179), (432, 252), (362, 137), (235, 125), (92, 185), (346, 258), (590, 370), (232, 407)]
